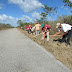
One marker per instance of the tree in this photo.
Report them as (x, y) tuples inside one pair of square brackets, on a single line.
[(67, 3), (43, 16), (65, 19), (8, 25), (20, 23), (48, 11)]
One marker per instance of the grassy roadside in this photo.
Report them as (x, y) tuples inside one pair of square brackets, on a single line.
[(60, 51), (4, 28)]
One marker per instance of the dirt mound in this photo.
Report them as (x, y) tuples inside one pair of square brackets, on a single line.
[(61, 52)]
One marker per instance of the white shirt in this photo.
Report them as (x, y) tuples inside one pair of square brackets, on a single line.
[(65, 27), (33, 28)]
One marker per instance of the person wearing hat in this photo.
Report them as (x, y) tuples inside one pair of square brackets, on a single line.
[(67, 31)]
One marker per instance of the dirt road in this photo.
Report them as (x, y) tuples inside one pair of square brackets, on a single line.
[(18, 53)]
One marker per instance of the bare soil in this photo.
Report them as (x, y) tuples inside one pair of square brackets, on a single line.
[(61, 52)]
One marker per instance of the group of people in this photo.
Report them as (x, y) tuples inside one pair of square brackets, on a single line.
[(40, 28), (66, 30)]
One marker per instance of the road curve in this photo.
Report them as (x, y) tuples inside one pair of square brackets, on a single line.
[(18, 53)]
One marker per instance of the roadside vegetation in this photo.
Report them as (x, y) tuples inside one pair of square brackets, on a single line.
[(5, 26)]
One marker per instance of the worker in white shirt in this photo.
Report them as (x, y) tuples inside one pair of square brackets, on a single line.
[(66, 28)]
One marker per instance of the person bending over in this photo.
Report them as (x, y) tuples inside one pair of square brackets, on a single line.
[(67, 31)]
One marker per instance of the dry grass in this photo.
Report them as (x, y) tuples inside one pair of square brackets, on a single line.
[(60, 51), (4, 28)]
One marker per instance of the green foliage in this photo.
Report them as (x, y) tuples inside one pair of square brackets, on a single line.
[(50, 10), (47, 11), (65, 19), (43, 16), (67, 3), (4, 26), (8, 25), (20, 23), (26, 24)]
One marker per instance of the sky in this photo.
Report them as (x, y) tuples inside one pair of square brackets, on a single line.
[(28, 10)]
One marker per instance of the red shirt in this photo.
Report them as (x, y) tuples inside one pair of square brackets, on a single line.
[(46, 27), (29, 27)]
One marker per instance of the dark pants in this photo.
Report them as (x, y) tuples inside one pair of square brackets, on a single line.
[(68, 35)]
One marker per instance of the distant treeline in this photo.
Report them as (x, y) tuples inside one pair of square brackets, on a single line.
[(5, 26), (61, 19)]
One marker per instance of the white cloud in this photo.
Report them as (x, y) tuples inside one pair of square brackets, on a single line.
[(3, 17), (13, 21), (36, 15), (70, 0), (8, 19), (26, 18), (27, 5)]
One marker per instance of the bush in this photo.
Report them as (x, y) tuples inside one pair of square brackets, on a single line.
[(4, 26)]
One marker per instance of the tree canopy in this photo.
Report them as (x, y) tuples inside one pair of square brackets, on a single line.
[(47, 11), (67, 3)]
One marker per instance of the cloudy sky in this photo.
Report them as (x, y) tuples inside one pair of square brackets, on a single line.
[(29, 10)]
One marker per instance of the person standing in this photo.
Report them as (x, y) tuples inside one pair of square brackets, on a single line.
[(37, 27), (29, 28)]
